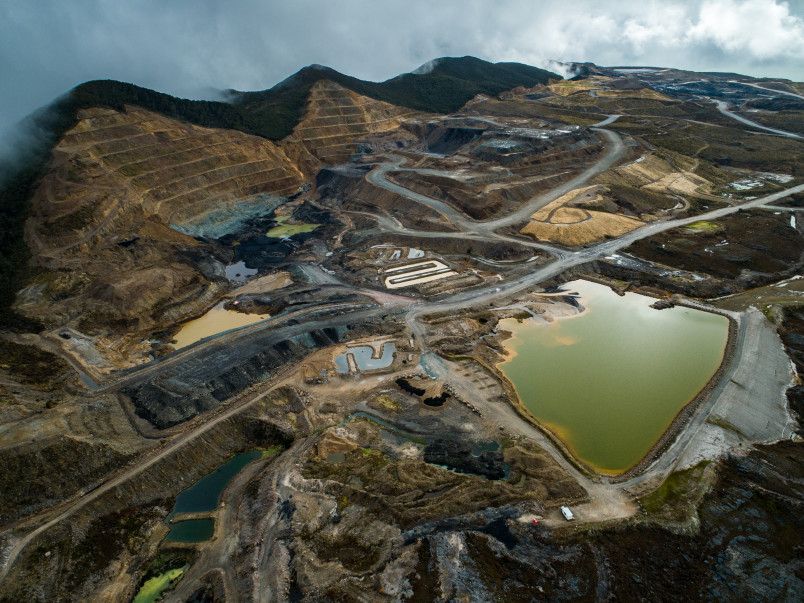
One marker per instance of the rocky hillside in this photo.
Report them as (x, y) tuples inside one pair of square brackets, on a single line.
[(119, 165), (111, 220), (335, 119)]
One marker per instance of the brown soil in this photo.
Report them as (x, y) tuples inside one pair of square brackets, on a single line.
[(563, 223)]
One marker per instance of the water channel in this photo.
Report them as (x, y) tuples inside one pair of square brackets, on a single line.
[(610, 380)]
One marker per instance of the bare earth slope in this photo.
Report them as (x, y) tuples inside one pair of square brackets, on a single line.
[(100, 225), (334, 120), (111, 219)]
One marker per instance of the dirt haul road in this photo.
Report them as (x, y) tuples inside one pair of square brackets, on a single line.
[(723, 107), (614, 152), (463, 300)]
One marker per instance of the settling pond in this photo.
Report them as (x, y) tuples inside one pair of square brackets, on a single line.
[(217, 320), (205, 495), (364, 358), (610, 380)]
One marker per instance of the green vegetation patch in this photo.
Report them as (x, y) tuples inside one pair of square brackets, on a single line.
[(678, 495), (30, 364), (704, 226), (444, 89), (386, 402), (272, 451)]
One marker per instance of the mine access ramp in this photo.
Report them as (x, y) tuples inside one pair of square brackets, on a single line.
[(565, 511)]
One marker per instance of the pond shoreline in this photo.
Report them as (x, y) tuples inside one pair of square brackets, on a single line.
[(688, 410), (667, 437)]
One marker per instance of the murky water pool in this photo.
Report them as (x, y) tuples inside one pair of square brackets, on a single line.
[(217, 320), (364, 359), (610, 381)]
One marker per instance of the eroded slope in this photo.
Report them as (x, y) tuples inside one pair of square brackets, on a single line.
[(106, 220), (335, 118)]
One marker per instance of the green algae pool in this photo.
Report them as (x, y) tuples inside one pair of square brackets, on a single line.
[(610, 380), (288, 230), (152, 590)]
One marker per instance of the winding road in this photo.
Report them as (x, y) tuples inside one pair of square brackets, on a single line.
[(774, 90), (723, 107), (482, 296), (615, 151)]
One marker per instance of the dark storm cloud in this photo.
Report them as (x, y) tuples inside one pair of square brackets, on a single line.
[(195, 47)]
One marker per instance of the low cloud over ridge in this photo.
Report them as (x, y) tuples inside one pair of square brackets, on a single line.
[(188, 48)]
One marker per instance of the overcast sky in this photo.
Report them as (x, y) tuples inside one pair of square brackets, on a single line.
[(192, 48)]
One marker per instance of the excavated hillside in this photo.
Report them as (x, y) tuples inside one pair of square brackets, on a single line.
[(116, 221), (100, 226), (335, 119)]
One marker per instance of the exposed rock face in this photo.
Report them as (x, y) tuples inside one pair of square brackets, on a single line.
[(333, 181), (115, 222), (101, 219), (448, 140), (458, 456)]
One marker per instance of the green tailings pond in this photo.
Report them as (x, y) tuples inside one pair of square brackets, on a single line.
[(288, 230), (205, 496), (217, 320), (610, 380), (152, 590)]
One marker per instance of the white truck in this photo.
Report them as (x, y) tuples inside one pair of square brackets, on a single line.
[(565, 511)]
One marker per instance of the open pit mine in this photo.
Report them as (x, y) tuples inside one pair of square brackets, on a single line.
[(477, 333)]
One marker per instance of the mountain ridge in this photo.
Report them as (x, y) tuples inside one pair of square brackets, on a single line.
[(270, 114)]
